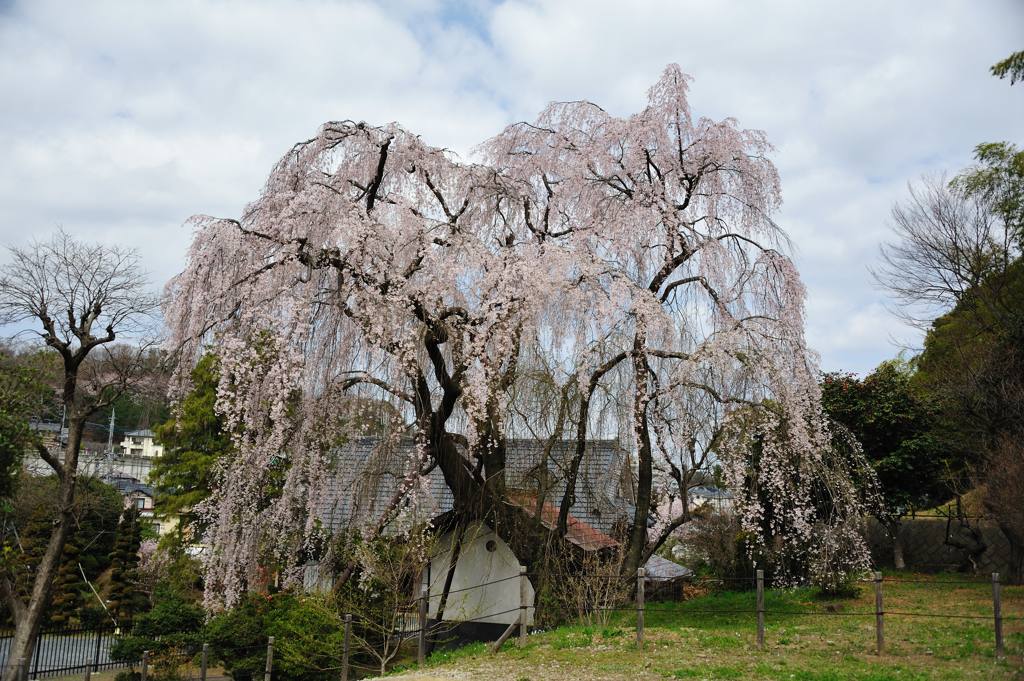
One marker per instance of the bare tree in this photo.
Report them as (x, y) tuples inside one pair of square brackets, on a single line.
[(951, 248), (83, 296)]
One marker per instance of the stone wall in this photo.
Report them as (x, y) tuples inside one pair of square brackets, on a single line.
[(924, 550)]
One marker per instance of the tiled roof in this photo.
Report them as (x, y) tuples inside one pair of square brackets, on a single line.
[(368, 472), (132, 487), (577, 531), (140, 433), (48, 427), (710, 493), (659, 569)]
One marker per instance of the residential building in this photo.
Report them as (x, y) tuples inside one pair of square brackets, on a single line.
[(716, 498), (142, 444), (142, 497)]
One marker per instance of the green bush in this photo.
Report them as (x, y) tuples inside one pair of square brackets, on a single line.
[(307, 637), (92, 616), (172, 624)]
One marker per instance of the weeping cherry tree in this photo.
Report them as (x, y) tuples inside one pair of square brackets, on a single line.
[(636, 258)]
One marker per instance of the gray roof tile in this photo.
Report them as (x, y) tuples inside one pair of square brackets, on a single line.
[(369, 471)]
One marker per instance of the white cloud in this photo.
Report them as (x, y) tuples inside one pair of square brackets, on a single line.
[(121, 119)]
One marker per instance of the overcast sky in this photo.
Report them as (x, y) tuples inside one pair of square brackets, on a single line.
[(119, 120)]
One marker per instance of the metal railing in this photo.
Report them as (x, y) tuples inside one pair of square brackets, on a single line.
[(64, 651)]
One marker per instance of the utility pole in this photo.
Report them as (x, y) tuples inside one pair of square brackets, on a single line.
[(110, 436)]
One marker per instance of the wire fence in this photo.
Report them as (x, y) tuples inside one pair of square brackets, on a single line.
[(85, 651)]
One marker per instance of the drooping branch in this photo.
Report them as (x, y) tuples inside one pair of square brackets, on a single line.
[(569, 495)]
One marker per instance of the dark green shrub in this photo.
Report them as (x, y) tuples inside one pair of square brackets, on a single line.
[(172, 624), (126, 600), (307, 637), (92, 616)]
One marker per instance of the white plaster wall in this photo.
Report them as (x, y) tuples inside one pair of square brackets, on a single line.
[(149, 447), (473, 595)]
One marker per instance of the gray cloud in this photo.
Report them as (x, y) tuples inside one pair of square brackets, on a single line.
[(120, 119)]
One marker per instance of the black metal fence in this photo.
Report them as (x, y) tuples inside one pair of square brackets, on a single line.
[(65, 651)]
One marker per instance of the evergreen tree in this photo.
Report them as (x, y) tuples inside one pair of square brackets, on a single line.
[(34, 538), (68, 586), (193, 443), (893, 422), (98, 506), (125, 599)]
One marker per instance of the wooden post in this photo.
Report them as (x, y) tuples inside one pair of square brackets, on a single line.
[(879, 615), (640, 609), (145, 664), (270, 658), (504, 637), (423, 627), (997, 611), (202, 664), (88, 671), (344, 654), (760, 609), (523, 595)]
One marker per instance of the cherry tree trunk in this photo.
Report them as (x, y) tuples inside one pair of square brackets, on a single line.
[(29, 619), (636, 541)]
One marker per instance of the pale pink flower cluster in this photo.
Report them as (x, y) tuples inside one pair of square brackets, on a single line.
[(154, 565)]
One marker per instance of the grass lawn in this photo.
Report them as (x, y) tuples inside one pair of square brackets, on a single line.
[(825, 646)]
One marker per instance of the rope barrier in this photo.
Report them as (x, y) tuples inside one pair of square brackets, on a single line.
[(426, 625), (480, 586)]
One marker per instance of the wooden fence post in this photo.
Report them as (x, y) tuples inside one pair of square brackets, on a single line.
[(640, 609), (145, 664), (202, 664), (879, 615), (344, 655), (504, 637), (88, 671), (760, 609), (423, 627), (523, 582), (270, 658), (997, 611)]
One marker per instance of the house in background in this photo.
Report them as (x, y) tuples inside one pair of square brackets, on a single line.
[(369, 471), (138, 449), (716, 498), (485, 586), (126, 470), (141, 443), (142, 497)]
